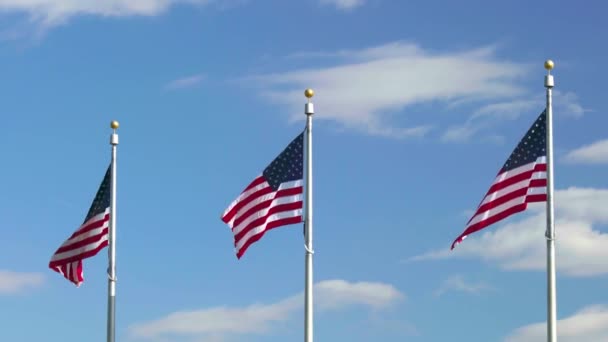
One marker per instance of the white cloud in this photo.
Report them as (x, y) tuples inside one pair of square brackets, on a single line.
[(459, 133), (48, 13), (588, 324), (565, 105), (260, 318), (367, 89), (185, 82), (344, 4), (16, 282), (488, 116), (458, 283), (520, 244), (337, 294), (595, 153)]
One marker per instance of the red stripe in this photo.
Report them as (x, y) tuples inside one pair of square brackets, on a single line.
[(269, 226), (255, 183), (266, 203), (88, 226), (536, 198), (67, 271), (500, 216), (535, 183), (84, 242), (502, 200), (538, 183), (261, 220), (501, 184), (239, 205), (82, 256), (490, 220)]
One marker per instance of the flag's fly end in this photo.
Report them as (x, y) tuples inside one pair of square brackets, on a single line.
[(521, 180), (88, 239), (458, 241)]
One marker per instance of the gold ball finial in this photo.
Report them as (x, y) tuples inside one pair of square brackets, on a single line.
[(114, 124), (309, 93), (549, 64)]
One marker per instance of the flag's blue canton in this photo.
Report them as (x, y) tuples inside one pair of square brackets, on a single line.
[(532, 146), (288, 166), (102, 199)]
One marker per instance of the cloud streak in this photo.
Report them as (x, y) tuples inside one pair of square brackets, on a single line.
[(344, 4), (218, 322), (185, 82), (457, 283), (370, 90), (49, 13), (595, 153), (488, 116), (18, 282), (588, 324)]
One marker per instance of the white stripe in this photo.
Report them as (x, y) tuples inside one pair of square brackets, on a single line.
[(518, 170), (291, 184), (80, 250), (250, 205), (98, 217), (264, 211), (257, 230), (283, 186), (505, 206), (513, 187), (58, 269), (541, 190), (86, 235)]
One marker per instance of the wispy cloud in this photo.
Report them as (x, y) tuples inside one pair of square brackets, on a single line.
[(520, 245), (344, 4), (493, 114), (459, 284), (588, 324), (371, 89), (17, 282), (49, 13), (185, 82), (595, 153), (219, 322), (486, 117)]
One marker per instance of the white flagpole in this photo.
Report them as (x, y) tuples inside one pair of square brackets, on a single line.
[(112, 241), (308, 310), (550, 233)]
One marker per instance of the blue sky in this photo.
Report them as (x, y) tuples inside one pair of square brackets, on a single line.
[(418, 104)]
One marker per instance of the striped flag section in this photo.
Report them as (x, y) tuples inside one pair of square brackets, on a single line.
[(89, 238), (522, 180), (273, 199)]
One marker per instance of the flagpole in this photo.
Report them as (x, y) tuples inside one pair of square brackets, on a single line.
[(550, 233), (112, 240), (308, 310)]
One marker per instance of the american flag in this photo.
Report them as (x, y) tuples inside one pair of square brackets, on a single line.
[(522, 180), (89, 238), (273, 199)]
